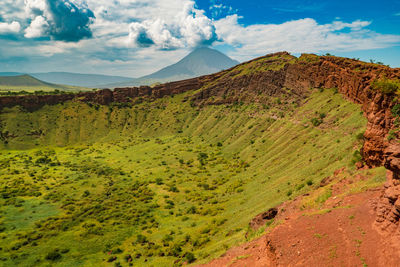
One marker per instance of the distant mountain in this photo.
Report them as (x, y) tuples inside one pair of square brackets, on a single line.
[(77, 79), (201, 61), (29, 83), (73, 79)]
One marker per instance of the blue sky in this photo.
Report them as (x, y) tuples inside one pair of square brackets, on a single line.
[(136, 37)]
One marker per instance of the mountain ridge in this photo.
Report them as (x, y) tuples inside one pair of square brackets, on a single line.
[(26, 82), (71, 78)]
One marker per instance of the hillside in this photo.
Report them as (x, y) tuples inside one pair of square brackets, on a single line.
[(199, 62), (28, 83), (177, 173)]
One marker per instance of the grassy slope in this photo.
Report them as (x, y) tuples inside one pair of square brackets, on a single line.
[(31, 84), (260, 162)]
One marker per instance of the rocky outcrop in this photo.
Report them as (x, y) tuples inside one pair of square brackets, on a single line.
[(353, 79), (262, 218)]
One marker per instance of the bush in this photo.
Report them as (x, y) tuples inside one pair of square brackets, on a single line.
[(190, 257), (141, 239), (396, 110), (191, 210), (386, 86), (53, 255), (391, 135), (202, 158), (174, 189), (316, 122), (357, 157), (299, 187), (175, 250), (360, 136)]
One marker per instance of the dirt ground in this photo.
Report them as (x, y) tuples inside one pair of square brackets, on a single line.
[(342, 234)]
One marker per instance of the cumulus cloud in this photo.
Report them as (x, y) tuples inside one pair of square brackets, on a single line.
[(188, 28), (38, 28), (137, 37), (297, 36), (62, 20), (9, 28)]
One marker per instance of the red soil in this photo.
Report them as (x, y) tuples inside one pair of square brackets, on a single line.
[(344, 234)]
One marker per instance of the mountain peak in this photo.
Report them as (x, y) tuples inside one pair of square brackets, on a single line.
[(201, 61)]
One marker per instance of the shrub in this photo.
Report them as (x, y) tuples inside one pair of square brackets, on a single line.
[(396, 110), (386, 85), (167, 238), (316, 122), (141, 239), (176, 250), (357, 157), (299, 187), (391, 135), (190, 257), (174, 189), (191, 210), (53, 255), (360, 136), (309, 182)]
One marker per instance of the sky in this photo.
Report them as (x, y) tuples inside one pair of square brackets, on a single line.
[(136, 37)]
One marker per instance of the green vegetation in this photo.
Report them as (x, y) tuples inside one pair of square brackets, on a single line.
[(158, 183), (309, 58), (387, 86), (272, 63)]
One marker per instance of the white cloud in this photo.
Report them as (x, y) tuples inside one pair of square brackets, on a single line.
[(162, 26), (37, 28), (299, 36), (7, 28), (187, 28), (66, 20)]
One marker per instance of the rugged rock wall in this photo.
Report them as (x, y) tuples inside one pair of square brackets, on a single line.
[(353, 79)]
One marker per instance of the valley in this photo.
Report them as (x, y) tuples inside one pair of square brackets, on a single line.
[(173, 174)]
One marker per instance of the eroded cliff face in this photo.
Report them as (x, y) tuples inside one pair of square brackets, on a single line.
[(277, 75), (354, 80)]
